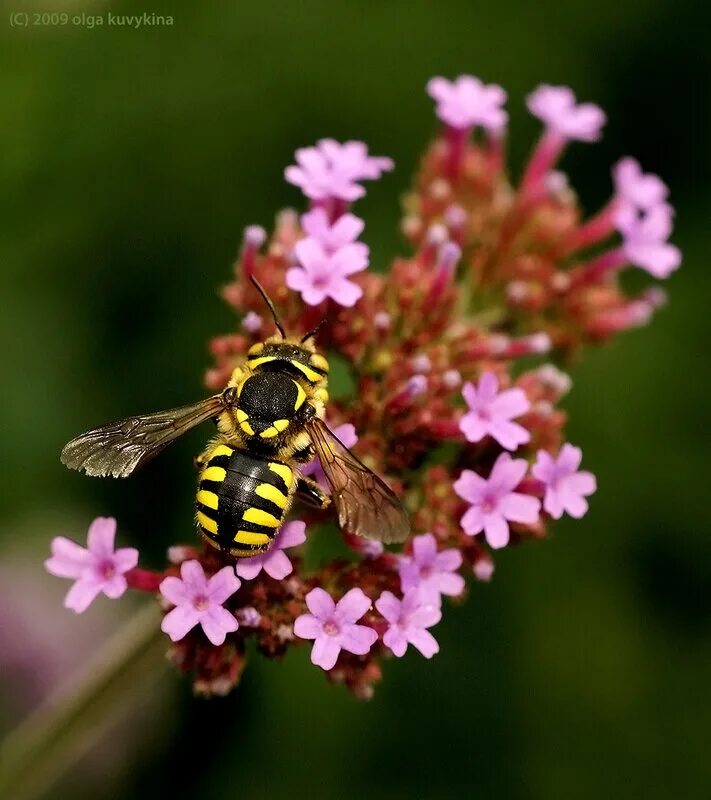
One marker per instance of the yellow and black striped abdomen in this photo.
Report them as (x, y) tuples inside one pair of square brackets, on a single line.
[(242, 500)]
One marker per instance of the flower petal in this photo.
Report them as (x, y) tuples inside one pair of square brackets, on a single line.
[(325, 652), (278, 565), (388, 606), (424, 549), (174, 590), (193, 576), (424, 641), (125, 558), (357, 639), (291, 535), (496, 530), (82, 594), (249, 567), (395, 639), (308, 627), (352, 606), (217, 622), (179, 621), (222, 584), (520, 507), (320, 604), (100, 539), (68, 560)]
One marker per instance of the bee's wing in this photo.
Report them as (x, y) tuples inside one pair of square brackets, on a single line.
[(119, 448), (365, 505)]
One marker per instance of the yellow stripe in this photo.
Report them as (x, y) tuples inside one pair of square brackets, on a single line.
[(241, 415), (269, 492), (300, 397), (221, 450), (322, 395), (208, 499), (269, 433), (281, 424), (255, 349), (259, 517), (214, 474), (249, 537), (319, 362), (312, 376), (247, 428), (209, 524), (283, 472), (257, 362)]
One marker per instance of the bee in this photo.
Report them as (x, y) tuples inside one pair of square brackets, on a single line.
[(270, 421)]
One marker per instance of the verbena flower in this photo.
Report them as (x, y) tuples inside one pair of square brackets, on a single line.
[(498, 269), (558, 109), (466, 102), (641, 190), (566, 488), (323, 274), (333, 236), (333, 170), (408, 620), (333, 626), (431, 572), (490, 412), (274, 562), (96, 568), (493, 501), (645, 239), (198, 600)]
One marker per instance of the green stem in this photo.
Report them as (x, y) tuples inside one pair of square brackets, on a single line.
[(63, 728)]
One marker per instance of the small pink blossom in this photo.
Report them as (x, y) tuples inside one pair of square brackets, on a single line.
[(466, 102), (322, 274), (96, 568), (645, 238), (633, 186), (408, 620), (274, 562), (556, 106), (332, 626), (348, 436), (332, 237), (252, 322), (494, 503), (199, 600), (431, 572), (332, 170), (566, 487), (490, 412)]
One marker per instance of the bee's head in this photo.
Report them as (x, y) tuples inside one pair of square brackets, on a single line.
[(269, 403)]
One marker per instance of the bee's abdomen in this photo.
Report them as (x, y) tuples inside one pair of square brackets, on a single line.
[(242, 500)]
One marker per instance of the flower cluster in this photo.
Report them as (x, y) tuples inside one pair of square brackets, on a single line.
[(455, 396)]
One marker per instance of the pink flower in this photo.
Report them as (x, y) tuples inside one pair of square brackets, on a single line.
[(432, 573), (557, 108), (466, 102), (332, 626), (408, 621), (332, 237), (274, 562), (566, 488), (199, 599), (490, 413), (332, 170), (252, 322), (347, 434), (494, 503), (634, 187), (645, 238), (96, 568), (322, 274)]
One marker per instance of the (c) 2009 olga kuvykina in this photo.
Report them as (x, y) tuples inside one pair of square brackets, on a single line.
[(456, 344)]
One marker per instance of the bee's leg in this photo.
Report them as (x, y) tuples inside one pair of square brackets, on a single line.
[(199, 461), (310, 492)]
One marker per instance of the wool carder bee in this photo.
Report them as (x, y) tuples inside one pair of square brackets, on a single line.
[(270, 421)]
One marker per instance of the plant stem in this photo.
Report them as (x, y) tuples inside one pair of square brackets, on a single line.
[(63, 728)]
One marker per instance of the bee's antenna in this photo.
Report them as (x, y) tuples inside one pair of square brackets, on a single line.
[(315, 330), (269, 303)]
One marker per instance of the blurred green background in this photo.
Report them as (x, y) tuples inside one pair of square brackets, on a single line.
[(130, 160)]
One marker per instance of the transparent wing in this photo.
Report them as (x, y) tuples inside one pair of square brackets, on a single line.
[(121, 447), (365, 505)]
